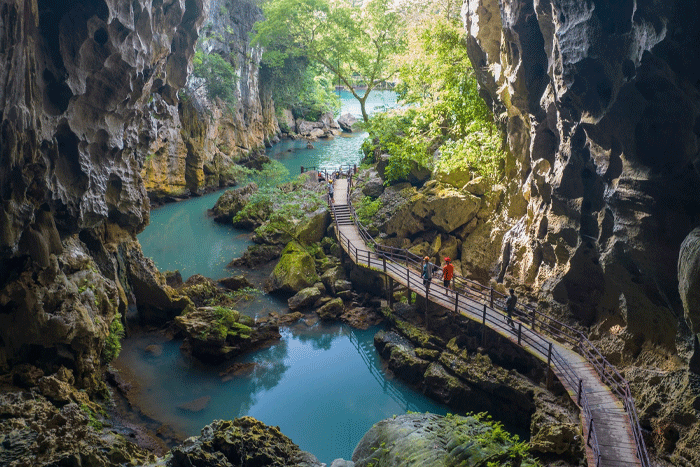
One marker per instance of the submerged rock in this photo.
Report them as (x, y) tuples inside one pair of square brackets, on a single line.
[(244, 442)]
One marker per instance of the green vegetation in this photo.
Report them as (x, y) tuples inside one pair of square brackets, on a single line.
[(113, 343), (355, 44), (228, 323), (218, 74), (445, 112), (94, 421), (366, 209)]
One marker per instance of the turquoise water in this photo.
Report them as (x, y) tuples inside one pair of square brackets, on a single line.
[(323, 386), (181, 236)]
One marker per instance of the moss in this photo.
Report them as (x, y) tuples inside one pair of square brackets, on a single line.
[(418, 336), (113, 343)]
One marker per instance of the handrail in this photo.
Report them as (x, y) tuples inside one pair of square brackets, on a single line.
[(494, 300)]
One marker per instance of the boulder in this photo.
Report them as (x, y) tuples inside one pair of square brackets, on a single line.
[(236, 282), (311, 230), (418, 440), (295, 271), (374, 187), (457, 177), (361, 317), (331, 310), (346, 122), (304, 298), (231, 202), (477, 186), (243, 441), (256, 255), (331, 276)]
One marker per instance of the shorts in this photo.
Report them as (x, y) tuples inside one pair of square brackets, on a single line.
[(446, 282)]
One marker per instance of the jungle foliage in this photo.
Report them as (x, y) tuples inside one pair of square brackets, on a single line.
[(444, 113), (355, 44)]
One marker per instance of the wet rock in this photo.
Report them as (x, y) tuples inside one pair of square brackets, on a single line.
[(243, 441), (331, 311), (236, 282), (199, 289), (289, 318), (196, 405), (361, 317), (304, 298)]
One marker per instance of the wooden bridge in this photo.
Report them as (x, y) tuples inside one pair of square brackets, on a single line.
[(608, 416)]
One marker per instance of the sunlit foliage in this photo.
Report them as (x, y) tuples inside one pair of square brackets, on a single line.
[(445, 115), (356, 44)]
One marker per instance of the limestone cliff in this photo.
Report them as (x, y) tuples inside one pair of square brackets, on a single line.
[(199, 139), (75, 81), (600, 101)]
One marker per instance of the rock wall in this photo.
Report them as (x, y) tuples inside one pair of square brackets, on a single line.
[(198, 140), (75, 80), (600, 101)]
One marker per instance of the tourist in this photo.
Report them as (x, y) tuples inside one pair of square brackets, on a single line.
[(448, 271), (330, 190), (427, 273), (321, 178), (510, 306)]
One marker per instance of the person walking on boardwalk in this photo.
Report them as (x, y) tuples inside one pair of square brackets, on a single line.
[(427, 273), (330, 190), (510, 306), (448, 271)]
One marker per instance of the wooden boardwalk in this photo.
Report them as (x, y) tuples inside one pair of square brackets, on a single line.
[(605, 424)]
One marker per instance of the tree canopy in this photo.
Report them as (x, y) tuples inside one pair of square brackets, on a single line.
[(357, 44)]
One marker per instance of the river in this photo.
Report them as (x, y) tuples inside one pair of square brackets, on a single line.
[(323, 385)]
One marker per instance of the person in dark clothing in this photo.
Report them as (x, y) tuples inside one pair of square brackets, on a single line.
[(510, 306), (427, 272)]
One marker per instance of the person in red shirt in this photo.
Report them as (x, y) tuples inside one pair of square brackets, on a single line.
[(447, 272)]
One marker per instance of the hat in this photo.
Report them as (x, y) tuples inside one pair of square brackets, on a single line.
[(427, 258), (447, 260)]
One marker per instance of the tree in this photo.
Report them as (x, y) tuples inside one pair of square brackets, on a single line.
[(355, 44)]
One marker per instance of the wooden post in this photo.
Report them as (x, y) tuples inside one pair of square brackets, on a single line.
[(520, 331), (491, 298), (580, 390), (391, 293), (368, 258), (302, 169), (456, 302), (483, 327), (384, 264), (533, 319), (590, 430), (549, 367)]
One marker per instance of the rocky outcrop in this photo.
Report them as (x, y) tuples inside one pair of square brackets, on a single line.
[(231, 202), (243, 441), (200, 140), (600, 103), (415, 440), (219, 333), (295, 271), (76, 80), (585, 124)]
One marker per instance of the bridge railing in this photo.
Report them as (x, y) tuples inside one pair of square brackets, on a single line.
[(467, 293)]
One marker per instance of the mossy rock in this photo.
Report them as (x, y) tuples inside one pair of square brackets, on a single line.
[(296, 270), (331, 310), (417, 440), (311, 230)]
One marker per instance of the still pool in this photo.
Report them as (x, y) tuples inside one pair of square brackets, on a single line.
[(324, 386)]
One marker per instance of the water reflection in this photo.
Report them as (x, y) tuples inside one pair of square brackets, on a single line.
[(323, 386)]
